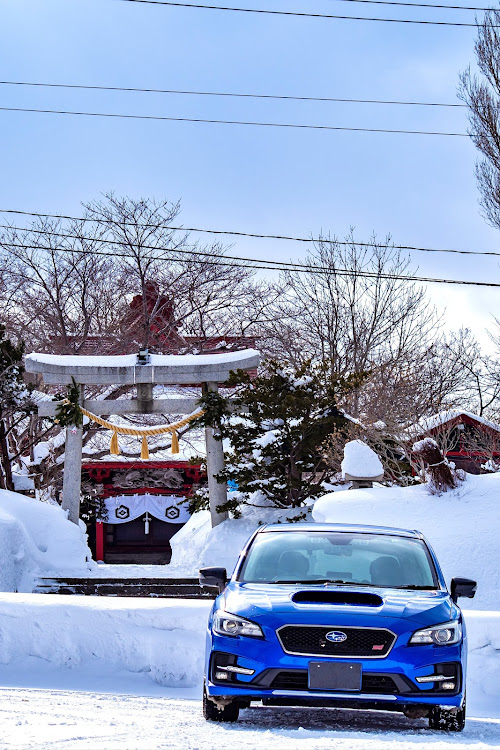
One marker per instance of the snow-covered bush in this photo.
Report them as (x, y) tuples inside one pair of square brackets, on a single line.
[(440, 474)]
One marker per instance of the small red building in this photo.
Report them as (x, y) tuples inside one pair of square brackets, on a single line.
[(145, 504), (467, 439)]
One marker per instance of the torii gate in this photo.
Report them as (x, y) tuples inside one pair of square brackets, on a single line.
[(143, 371)]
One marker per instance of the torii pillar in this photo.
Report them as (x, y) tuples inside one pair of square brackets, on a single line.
[(129, 369)]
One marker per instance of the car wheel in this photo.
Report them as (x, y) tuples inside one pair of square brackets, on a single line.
[(212, 712), (446, 720)]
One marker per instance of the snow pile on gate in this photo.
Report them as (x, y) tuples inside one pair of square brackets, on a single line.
[(163, 639), (462, 526), (37, 539)]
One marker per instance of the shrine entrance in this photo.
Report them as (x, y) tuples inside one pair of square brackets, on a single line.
[(140, 373), (143, 507), (144, 541)]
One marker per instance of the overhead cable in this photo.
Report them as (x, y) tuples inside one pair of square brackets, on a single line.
[(231, 122), (232, 94), (259, 264), (302, 15), (318, 240)]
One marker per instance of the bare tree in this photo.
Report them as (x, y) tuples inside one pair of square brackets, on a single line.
[(353, 309), (181, 289), (482, 96), (59, 286)]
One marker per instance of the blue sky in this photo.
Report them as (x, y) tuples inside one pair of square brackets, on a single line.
[(420, 189)]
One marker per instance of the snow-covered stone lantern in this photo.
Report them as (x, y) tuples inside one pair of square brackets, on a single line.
[(361, 465)]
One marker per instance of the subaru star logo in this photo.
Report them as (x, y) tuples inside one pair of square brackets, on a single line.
[(336, 636)]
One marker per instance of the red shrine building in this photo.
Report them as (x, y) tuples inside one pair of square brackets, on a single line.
[(145, 502), (467, 439)]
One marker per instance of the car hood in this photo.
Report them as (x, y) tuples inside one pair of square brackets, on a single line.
[(253, 600)]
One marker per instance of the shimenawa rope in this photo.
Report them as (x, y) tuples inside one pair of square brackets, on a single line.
[(142, 431)]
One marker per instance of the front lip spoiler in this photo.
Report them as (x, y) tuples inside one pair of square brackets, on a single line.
[(344, 696)]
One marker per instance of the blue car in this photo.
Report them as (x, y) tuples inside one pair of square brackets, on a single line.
[(338, 616)]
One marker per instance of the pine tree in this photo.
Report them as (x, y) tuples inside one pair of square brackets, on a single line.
[(15, 404), (277, 434)]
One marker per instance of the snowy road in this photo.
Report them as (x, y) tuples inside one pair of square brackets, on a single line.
[(66, 720)]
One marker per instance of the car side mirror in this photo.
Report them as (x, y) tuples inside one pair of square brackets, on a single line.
[(462, 587), (213, 577)]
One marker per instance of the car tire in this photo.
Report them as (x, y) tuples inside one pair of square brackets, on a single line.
[(447, 721), (212, 712)]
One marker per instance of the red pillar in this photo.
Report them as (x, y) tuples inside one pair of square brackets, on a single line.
[(99, 541)]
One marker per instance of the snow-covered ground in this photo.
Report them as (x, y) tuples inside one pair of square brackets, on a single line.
[(62, 720)]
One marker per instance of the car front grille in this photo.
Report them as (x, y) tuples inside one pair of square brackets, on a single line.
[(311, 640), (371, 683)]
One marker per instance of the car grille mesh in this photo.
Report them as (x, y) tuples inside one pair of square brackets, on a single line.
[(297, 680), (364, 642)]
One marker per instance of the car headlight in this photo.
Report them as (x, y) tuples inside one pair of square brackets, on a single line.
[(225, 623), (439, 635)]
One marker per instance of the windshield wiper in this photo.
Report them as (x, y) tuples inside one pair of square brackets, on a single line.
[(414, 587), (319, 580)]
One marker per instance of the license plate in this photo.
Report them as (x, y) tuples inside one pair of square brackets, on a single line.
[(324, 675)]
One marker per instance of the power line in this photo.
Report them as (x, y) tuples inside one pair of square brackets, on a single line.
[(238, 260), (231, 122), (417, 5), (255, 264), (224, 232), (231, 94), (302, 15)]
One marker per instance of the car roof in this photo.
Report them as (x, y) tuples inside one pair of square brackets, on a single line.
[(343, 528)]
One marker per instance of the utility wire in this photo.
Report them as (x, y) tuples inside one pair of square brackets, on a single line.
[(230, 94), (224, 232), (231, 122), (302, 15), (256, 264), (418, 5)]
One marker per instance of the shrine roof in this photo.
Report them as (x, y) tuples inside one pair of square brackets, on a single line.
[(124, 369)]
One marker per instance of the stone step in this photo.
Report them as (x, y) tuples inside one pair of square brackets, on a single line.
[(169, 588)]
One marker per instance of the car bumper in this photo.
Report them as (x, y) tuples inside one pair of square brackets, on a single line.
[(278, 678)]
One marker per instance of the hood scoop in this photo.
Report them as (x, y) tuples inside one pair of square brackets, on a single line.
[(350, 598)]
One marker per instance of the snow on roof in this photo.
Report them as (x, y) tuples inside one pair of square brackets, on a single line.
[(360, 461), (437, 420)]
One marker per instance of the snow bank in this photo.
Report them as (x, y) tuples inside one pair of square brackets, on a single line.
[(461, 525), (163, 638), (37, 539)]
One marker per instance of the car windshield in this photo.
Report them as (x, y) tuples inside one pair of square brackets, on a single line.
[(339, 557)]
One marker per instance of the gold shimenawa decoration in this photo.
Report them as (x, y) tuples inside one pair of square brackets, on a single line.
[(142, 431)]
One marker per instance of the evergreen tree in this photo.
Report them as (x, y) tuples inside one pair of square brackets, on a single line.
[(15, 404), (276, 439)]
